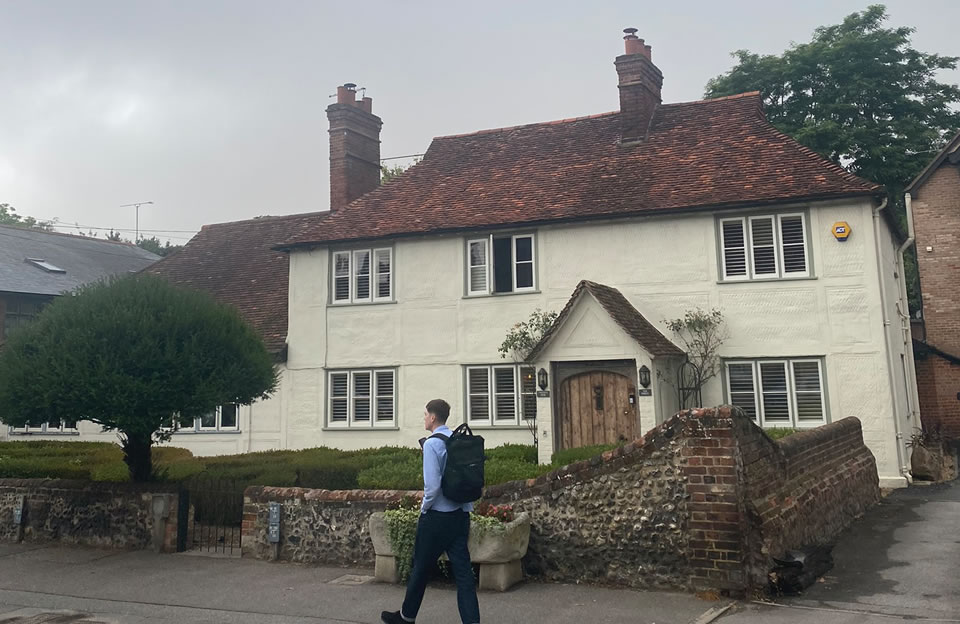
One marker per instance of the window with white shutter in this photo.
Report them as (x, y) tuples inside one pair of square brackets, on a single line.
[(341, 277), (763, 247), (793, 244), (477, 267), (362, 276), (734, 245), (778, 393), (500, 395), (361, 399)]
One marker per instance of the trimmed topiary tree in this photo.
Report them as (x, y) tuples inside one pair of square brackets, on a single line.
[(134, 355)]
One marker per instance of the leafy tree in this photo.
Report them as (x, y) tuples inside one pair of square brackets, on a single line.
[(859, 94), (389, 173), (524, 336), (9, 216), (153, 245), (133, 355)]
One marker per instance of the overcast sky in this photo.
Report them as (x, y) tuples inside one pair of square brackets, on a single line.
[(215, 110)]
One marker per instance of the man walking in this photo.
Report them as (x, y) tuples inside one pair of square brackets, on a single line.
[(444, 526)]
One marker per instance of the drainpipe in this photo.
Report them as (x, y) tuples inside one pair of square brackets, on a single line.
[(904, 472), (905, 311)]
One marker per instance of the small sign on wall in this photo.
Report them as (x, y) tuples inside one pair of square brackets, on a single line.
[(841, 230), (644, 392), (543, 394)]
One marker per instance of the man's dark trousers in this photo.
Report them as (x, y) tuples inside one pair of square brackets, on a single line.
[(439, 532)]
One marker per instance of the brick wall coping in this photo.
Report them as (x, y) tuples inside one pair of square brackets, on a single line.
[(91, 486), (796, 443), (265, 494)]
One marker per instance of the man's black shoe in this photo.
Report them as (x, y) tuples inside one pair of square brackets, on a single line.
[(392, 617)]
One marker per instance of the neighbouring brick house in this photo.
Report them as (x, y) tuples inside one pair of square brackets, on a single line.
[(404, 292), (934, 197), (37, 266)]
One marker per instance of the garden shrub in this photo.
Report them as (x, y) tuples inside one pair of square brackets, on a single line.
[(569, 456), (395, 475), (501, 471), (776, 433), (521, 452)]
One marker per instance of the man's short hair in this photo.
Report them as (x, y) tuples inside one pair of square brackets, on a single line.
[(440, 409)]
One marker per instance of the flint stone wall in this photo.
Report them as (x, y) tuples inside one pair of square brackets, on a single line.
[(702, 501), (105, 515)]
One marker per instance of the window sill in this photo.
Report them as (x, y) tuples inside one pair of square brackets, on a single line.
[(361, 304), (44, 433), (360, 429), (770, 280), (503, 294), (209, 432), (501, 427)]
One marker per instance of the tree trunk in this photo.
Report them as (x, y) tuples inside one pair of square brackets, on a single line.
[(137, 456)]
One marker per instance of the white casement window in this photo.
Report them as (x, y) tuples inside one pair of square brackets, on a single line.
[(224, 418), (51, 427), (763, 247), (362, 276), (361, 399), (501, 264), (778, 393), (500, 395)]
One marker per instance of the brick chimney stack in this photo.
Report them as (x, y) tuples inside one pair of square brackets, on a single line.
[(640, 83), (354, 147)]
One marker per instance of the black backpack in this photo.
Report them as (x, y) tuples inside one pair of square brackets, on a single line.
[(462, 480)]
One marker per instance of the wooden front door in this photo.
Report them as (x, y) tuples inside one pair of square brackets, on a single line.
[(595, 408)]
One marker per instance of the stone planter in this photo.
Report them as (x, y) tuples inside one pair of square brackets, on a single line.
[(497, 553)]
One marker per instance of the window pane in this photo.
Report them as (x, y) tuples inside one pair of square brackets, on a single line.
[(478, 388), (70, 424), (505, 402), (339, 387), (742, 389), (53, 425), (502, 265), (524, 249), (228, 416), (341, 286), (384, 388), (806, 382), (361, 262), (764, 250), (528, 392), (734, 250), (794, 247), (209, 420), (383, 273), (776, 403), (361, 396), (525, 275)]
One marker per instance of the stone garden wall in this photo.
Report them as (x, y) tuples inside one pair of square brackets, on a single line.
[(317, 526), (111, 515), (702, 501)]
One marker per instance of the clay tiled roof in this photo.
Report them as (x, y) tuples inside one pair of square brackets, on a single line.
[(236, 263), (706, 154), (621, 311)]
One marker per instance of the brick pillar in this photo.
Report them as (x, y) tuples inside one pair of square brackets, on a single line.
[(718, 526)]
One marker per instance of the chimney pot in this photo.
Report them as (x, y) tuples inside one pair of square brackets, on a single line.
[(367, 104), (631, 43), (347, 94)]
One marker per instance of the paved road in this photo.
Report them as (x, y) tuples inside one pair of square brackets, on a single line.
[(899, 563)]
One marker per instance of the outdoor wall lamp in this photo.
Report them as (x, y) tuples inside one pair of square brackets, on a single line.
[(644, 373), (542, 379)]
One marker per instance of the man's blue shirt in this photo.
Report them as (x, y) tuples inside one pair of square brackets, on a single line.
[(434, 461)]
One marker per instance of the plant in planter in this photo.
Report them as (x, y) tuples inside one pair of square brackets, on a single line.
[(498, 541)]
